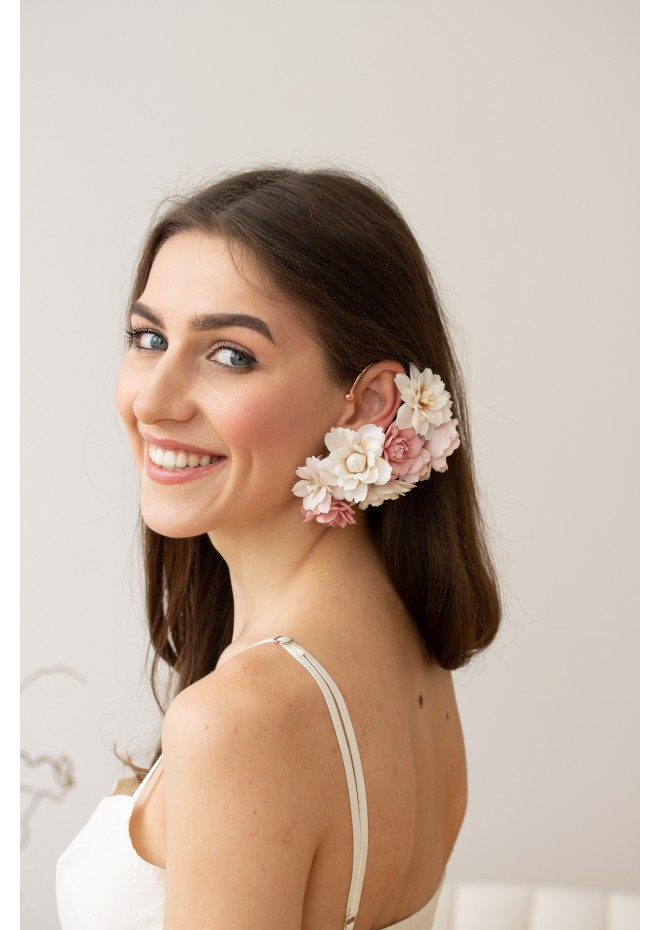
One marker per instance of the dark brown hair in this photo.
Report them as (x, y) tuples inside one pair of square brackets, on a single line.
[(335, 245)]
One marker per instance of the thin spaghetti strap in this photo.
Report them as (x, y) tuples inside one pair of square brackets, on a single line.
[(352, 764), (140, 788)]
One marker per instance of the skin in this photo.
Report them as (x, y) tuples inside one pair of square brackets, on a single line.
[(232, 813)]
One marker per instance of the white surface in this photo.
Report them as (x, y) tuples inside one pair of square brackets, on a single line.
[(507, 134), (511, 906)]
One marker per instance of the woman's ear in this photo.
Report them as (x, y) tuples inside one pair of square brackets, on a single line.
[(376, 398)]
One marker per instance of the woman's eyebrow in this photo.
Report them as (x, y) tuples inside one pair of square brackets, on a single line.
[(203, 322)]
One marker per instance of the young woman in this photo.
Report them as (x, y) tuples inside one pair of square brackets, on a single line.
[(316, 566)]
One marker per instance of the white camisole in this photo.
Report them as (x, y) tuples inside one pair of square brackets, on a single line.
[(103, 884)]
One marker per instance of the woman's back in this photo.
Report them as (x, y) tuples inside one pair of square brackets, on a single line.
[(403, 710), (411, 745)]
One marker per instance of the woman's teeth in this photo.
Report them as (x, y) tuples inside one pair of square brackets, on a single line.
[(166, 458)]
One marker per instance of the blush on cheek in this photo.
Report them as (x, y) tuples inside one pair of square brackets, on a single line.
[(275, 425), (264, 421), (251, 428)]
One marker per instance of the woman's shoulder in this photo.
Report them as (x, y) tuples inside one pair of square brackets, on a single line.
[(257, 704), (242, 814)]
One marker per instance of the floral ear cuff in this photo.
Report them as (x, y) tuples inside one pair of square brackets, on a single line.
[(369, 465)]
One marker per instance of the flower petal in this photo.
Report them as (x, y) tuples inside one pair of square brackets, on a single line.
[(338, 437), (404, 416)]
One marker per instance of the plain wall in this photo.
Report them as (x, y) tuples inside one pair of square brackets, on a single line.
[(507, 132)]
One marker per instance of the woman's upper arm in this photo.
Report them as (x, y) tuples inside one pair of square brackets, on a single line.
[(241, 801)]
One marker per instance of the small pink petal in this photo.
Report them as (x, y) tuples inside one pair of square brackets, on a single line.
[(340, 514)]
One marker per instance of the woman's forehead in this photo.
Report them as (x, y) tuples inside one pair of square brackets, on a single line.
[(195, 273)]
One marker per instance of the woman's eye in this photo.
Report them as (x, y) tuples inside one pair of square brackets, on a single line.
[(151, 341), (230, 357), (146, 339)]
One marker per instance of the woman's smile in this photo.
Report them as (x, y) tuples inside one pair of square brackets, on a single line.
[(169, 466), (169, 461)]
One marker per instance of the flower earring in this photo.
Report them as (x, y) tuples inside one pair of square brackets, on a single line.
[(371, 465)]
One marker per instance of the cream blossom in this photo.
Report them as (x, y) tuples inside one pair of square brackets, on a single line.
[(377, 493), (355, 461), (317, 496), (426, 403)]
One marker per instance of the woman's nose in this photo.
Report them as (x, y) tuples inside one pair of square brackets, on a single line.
[(166, 393)]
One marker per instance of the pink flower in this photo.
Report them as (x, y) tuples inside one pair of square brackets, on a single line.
[(404, 450), (339, 514), (442, 443), (420, 467)]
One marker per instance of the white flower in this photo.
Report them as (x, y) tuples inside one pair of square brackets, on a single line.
[(355, 461), (378, 493), (316, 495), (426, 403)]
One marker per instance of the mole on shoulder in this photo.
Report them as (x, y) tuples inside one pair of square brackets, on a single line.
[(421, 701)]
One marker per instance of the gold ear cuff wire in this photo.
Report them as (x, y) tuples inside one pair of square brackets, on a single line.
[(349, 396)]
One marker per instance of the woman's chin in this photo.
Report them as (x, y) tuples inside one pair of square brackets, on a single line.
[(173, 525), (185, 522), (171, 531)]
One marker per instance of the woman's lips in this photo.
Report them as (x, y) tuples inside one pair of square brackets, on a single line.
[(174, 475)]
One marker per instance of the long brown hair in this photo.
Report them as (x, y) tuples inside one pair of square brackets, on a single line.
[(337, 247)]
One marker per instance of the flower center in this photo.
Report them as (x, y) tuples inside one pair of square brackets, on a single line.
[(356, 462), (427, 399)]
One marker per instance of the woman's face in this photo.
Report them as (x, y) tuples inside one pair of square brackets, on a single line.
[(222, 392)]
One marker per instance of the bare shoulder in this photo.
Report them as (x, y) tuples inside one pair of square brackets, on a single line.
[(260, 707), (257, 692), (242, 812)]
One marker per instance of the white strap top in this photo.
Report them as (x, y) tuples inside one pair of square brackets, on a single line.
[(103, 884)]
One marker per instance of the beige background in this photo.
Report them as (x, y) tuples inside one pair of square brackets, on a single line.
[(507, 132)]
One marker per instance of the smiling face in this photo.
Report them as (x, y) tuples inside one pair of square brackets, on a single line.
[(222, 391)]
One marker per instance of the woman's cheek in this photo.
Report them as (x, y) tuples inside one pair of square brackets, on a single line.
[(264, 421), (247, 427)]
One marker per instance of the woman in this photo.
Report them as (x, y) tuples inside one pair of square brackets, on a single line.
[(292, 400)]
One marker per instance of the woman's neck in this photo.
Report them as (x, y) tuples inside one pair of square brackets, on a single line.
[(277, 565)]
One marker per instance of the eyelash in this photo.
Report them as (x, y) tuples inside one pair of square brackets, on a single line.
[(227, 345), (133, 334)]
